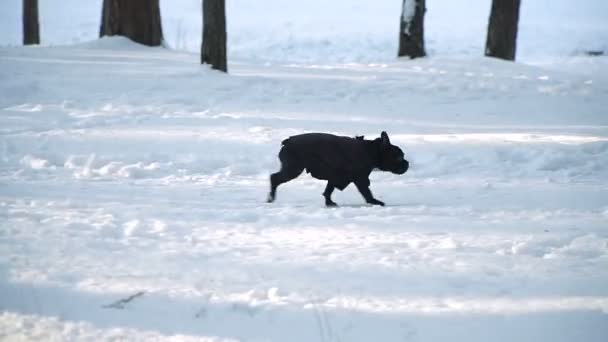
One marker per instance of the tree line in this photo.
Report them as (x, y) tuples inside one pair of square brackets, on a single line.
[(140, 21)]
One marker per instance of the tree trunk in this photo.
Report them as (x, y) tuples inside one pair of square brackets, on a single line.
[(502, 29), (213, 49), (31, 28), (411, 29), (138, 20)]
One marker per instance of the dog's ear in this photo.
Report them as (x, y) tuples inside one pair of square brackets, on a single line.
[(384, 139)]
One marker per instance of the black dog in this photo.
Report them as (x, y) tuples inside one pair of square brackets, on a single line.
[(339, 160)]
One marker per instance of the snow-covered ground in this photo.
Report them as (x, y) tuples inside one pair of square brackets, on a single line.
[(133, 180)]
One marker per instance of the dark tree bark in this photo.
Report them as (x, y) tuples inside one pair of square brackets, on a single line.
[(502, 29), (411, 29), (31, 28), (213, 49), (138, 20)]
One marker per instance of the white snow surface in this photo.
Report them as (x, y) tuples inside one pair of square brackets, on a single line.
[(132, 171), (133, 184)]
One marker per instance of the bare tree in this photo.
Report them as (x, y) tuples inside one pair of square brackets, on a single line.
[(411, 29), (502, 29), (213, 49), (31, 28), (138, 20)]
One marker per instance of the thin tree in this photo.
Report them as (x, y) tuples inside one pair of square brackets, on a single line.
[(501, 41), (213, 48), (411, 29), (31, 27), (138, 20)]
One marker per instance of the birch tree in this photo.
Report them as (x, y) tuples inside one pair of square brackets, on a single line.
[(411, 29)]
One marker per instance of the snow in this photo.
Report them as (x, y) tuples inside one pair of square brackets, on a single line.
[(133, 184)]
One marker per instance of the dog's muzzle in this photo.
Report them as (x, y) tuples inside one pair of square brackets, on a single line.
[(403, 167)]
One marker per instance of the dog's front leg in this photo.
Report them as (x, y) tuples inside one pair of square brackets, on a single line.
[(363, 187)]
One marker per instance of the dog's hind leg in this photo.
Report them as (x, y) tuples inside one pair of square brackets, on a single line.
[(329, 189), (289, 170)]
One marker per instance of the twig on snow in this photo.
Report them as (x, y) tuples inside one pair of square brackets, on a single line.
[(120, 304)]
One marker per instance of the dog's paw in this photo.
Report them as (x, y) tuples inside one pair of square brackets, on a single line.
[(376, 202), (331, 204)]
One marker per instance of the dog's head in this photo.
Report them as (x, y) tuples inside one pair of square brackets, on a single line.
[(391, 157)]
